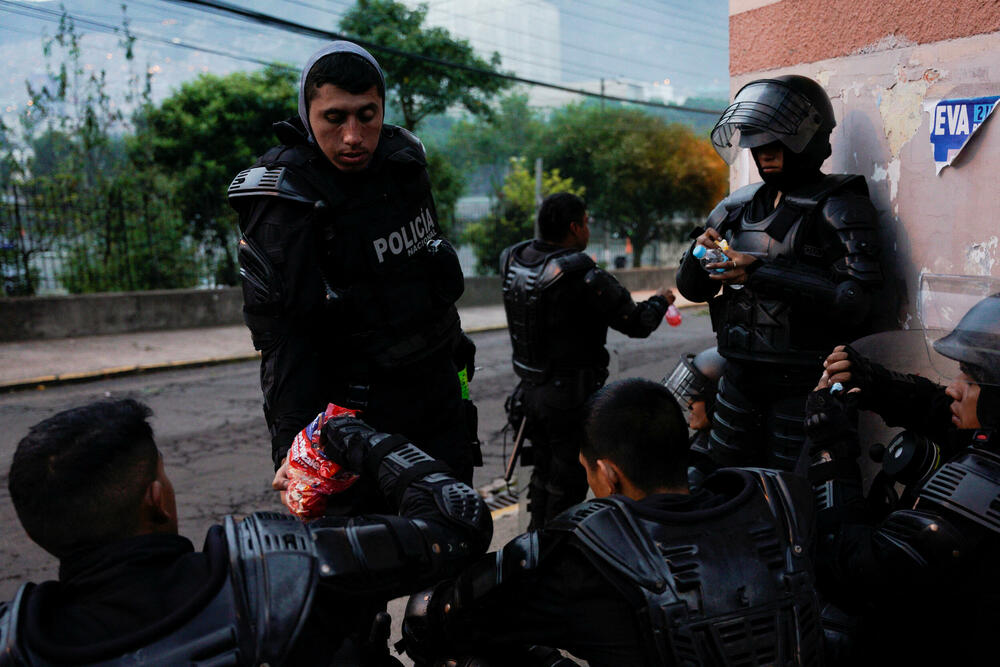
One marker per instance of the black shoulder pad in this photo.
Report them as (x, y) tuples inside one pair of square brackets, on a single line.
[(812, 195), (611, 535), (790, 498), (561, 265), (277, 559), (715, 218), (968, 485), (270, 182), (412, 138), (742, 196), (844, 210), (508, 254), (402, 146), (926, 538)]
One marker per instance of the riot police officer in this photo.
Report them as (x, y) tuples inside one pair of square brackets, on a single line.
[(349, 289), (920, 575), (801, 270), (694, 382), (89, 486), (559, 306), (648, 573)]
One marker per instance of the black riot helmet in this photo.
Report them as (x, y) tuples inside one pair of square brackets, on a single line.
[(793, 110), (696, 377), (975, 342)]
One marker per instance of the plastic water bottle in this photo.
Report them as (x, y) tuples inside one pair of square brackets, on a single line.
[(673, 316), (712, 256)]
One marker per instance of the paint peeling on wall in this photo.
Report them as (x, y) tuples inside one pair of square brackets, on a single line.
[(901, 106), (981, 257)]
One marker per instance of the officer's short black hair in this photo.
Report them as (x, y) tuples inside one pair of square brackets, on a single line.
[(555, 214), (348, 71), (78, 478), (638, 425)]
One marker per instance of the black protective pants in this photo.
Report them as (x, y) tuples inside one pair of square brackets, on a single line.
[(758, 415), (555, 411)]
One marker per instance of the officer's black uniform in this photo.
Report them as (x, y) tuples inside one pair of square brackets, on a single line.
[(810, 289), (718, 577), (920, 575), (559, 306), (267, 589), (349, 292)]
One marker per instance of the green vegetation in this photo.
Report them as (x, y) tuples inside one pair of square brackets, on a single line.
[(113, 201)]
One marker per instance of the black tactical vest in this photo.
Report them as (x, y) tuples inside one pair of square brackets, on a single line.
[(540, 298), (766, 327), (256, 603), (726, 585), (390, 284)]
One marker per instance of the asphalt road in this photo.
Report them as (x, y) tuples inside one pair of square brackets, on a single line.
[(210, 429)]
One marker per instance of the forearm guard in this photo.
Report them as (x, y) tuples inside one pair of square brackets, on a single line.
[(608, 296), (442, 524), (796, 284)]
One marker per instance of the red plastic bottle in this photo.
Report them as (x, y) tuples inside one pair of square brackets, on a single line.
[(673, 316)]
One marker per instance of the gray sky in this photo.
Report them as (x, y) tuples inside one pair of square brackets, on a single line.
[(645, 40)]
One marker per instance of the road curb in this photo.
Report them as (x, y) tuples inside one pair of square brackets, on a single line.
[(45, 381)]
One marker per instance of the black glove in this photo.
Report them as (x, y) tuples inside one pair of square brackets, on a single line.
[(864, 372), (347, 441), (831, 423)]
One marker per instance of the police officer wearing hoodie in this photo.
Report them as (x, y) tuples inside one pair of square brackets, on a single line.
[(349, 288)]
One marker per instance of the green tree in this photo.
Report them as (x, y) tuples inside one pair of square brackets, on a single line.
[(484, 146), (203, 135), (447, 186), (640, 173), (417, 87), (72, 189), (513, 217)]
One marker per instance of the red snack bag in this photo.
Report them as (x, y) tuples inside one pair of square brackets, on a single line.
[(312, 477)]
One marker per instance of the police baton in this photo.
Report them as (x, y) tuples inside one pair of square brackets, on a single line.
[(518, 444)]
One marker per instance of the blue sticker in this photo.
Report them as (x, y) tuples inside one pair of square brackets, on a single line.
[(953, 122)]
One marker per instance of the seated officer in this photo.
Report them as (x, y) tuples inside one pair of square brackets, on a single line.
[(648, 573), (89, 487)]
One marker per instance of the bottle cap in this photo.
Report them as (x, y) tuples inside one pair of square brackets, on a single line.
[(699, 251)]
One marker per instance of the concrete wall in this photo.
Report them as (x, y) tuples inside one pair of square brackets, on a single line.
[(884, 64), (40, 318)]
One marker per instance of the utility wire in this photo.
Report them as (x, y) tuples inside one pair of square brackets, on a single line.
[(291, 26)]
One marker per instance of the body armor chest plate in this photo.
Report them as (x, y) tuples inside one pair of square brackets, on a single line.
[(530, 295), (755, 326), (734, 582)]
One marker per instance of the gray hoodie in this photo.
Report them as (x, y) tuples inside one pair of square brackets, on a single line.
[(340, 46)]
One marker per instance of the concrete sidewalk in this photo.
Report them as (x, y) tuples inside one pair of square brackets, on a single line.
[(33, 364)]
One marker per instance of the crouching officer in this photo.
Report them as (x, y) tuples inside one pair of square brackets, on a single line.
[(921, 576), (349, 289), (559, 306), (89, 487), (648, 573)]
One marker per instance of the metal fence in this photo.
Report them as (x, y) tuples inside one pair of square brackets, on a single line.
[(58, 239)]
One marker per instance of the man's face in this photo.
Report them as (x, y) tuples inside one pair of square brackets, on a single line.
[(964, 393), (698, 417), (346, 126), (770, 157)]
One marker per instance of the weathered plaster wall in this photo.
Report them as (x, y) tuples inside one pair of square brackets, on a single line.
[(947, 223), (781, 34)]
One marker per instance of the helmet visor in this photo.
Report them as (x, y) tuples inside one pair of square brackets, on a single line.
[(763, 112), (957, 339)]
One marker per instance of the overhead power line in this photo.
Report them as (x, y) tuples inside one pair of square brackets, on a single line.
[(291, 26)]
